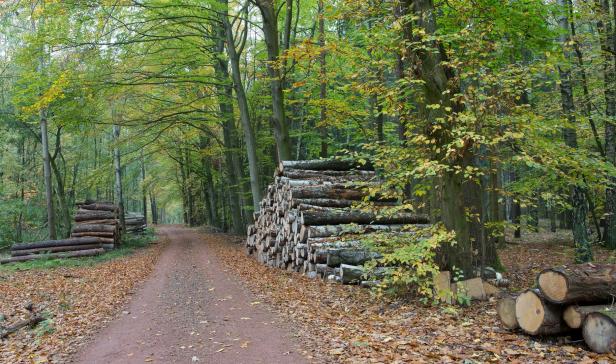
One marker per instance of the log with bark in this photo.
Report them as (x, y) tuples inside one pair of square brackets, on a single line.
[(599, 331), (575, 315), (62, 242), (325, 164), (537, 316), (87, 215), (99, 206), (55, 249), (315, 215), (85, 228), (579, 283), (31, 322), (79, 253)]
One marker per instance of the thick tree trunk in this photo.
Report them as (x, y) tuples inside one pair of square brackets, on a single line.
[(86, 228), (225, 108), (607, 30), (580, 283), (56, 243)]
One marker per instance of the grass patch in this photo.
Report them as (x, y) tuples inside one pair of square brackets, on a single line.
[(130, 243)]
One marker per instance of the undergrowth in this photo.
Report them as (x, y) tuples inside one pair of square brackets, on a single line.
[(130, 243)]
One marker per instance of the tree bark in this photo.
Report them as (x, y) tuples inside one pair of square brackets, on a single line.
[(575, 315), (79, 253)]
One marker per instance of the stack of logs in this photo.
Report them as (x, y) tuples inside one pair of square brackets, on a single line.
[(135, 223), (568, 299), (96, 229), (308, 209)]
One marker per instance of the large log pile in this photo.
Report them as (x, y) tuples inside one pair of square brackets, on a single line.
[(96, 229), (569, 298), (310, 207)]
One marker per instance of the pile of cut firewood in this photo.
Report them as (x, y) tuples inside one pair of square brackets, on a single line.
[(96, 229), (309, 219), (568, 298)]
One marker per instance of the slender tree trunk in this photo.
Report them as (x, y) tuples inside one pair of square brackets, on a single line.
[(249, 135), (51, 213), (578, 198), (117, 166), (153, 208), (323, 80), (269, 15), (144, 190)]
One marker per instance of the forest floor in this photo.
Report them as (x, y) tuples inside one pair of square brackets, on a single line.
[(206, 301)]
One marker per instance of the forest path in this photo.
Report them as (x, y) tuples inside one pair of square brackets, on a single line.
[(191, 309)]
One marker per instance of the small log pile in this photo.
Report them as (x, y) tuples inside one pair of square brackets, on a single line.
[(96, 229), (310, 207), (569, 298), (99, 220), (135, 223)]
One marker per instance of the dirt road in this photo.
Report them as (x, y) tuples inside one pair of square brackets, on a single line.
[(192, 310)]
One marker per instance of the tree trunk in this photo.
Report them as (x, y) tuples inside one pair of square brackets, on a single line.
[(323, 80), (154, 209), (269, 15), (506, 312), (607, 30), (249, 135), (578, 198), (56, 243), (51, 213), (144, 191), (325, 165), (225, 107), (117, 165)]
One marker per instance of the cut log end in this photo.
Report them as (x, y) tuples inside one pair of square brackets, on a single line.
[(506, 312), (553, 285), (529, 311), (599, 332), (572, 317)]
